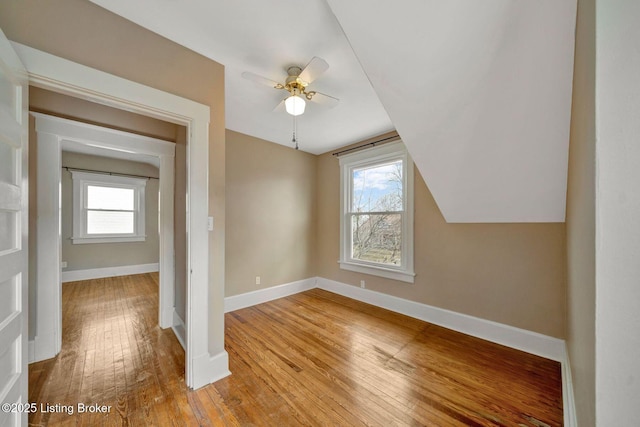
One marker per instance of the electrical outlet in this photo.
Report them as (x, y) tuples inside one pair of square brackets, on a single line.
[(362, 284), (63, 264), (257, 280)]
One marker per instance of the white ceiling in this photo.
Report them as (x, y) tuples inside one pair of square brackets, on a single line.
[(480, 91), (265, 38)]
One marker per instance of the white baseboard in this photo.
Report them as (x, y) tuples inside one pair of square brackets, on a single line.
[(99, 273), (42, 347), (208, 369), (248, 299), (568, 398), (520, 339), (179, 329), (167, 317)]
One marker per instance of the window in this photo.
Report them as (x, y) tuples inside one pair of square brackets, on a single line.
[(377, 212), (107, 208)]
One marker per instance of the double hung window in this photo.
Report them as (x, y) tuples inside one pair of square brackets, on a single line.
[(377, 212), (107, 208)]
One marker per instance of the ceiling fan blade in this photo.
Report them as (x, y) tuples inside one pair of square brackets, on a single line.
[(314, 69), (262, 80), (279, 108), (324, 100)]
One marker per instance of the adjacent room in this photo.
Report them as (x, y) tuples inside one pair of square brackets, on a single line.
[(108, 319), (327, 213)]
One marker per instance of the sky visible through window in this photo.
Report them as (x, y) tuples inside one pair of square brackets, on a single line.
[(376, 230), (378, 188)]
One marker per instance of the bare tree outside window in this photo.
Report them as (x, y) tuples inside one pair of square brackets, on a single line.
[(377, 213)]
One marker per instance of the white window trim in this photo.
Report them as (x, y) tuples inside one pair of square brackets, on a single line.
[(387, 152), (80, 182)]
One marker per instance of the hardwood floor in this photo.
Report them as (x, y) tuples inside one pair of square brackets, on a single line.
[(113, 353), (314, 358)]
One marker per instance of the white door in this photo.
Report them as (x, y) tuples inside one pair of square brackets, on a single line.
[(13, 236)]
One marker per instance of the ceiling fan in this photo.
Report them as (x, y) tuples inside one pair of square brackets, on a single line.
[(296, 84)]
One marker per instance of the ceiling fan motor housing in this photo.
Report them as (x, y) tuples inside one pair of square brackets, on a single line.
[(294, 71), (293, 79)]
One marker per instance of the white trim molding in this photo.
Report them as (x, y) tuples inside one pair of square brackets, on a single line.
[(42, 347), (179, 329), (47, 283), (82, 181), (248, 299), (99, 273), (52, 133), (208, 369), (361, 160), (568, 398), (520, 339), (63, 76)]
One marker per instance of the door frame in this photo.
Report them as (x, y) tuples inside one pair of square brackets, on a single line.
[(60, 75), (52, 134)]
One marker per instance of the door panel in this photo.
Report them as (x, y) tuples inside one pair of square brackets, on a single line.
[(13, 234)]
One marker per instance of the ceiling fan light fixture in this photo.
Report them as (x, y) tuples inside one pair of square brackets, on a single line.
[(295, 105)]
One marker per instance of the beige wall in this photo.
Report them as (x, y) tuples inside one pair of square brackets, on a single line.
[(85, 33), (270, 214), (581, 245), (508, 273), (101, 255)]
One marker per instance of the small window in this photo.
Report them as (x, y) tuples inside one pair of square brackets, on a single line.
[(377, 212), (107, 208)]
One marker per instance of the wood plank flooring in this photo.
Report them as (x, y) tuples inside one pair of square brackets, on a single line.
[(314, 358)]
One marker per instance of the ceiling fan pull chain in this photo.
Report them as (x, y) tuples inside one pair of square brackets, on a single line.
[(295, 128)]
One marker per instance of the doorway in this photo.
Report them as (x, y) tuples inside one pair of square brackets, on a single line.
[(53, 134), (206, 360)]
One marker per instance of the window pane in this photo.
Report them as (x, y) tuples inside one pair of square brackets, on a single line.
[(377, 188), (377, 238), (103, 222), (99, 197)]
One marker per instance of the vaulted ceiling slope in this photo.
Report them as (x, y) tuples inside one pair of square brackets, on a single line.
[(480, 91)]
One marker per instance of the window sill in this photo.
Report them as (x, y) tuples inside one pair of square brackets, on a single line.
[(387, 273), (85, 240)]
